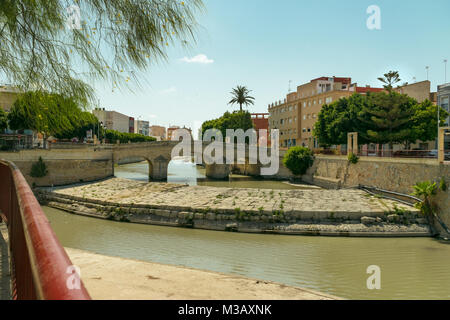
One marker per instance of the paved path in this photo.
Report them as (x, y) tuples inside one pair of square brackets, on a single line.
[(112, 278), (5, 278)]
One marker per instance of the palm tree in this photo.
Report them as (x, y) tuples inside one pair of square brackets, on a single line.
[(241, 96), (389, 79)]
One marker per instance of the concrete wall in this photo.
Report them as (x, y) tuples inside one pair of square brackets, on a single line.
[(399, 175), (64, 166)]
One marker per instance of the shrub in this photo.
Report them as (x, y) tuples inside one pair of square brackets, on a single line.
[(353, 158), (425, 190), (39, 169), (443, 185), (298, 160)]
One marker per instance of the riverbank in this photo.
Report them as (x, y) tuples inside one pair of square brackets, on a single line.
[(294, 212), (113, 278)]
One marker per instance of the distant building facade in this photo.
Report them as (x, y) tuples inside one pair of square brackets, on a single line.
[(443, 99), (420, 91), (296, 115), (261, 122), (171, 132), (142, 127), (113, 120), (158, 132), (8, 95)]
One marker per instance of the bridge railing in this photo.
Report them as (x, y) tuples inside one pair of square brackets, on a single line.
[(40, 267)]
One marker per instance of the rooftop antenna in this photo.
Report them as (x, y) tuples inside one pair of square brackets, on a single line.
[(428, 69)]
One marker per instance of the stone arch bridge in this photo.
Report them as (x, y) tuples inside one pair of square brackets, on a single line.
[(158, 154)]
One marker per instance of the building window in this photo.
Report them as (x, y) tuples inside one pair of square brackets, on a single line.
[(329, 100), (304, 104), (304, 117)]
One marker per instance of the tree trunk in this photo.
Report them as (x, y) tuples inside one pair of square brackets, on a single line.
[(240, 106)]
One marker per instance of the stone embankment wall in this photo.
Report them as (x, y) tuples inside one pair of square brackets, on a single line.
[(398, 175), (65, 166), (355, 224)]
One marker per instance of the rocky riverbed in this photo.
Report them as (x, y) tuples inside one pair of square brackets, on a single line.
[(315, 212)]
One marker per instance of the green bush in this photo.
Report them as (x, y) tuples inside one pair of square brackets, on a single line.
[(298, 160), (425, 190), (39, 169), (443, 185), (353, 158), (113, 136)]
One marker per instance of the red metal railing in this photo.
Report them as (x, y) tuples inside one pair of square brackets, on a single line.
[(40, 266)]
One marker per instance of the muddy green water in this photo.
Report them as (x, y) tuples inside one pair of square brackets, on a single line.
[(410, 268), (413, 268), (188, 173)]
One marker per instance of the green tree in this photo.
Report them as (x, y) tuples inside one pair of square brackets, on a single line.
[(390, 79), (39, 51), (335, 120), (3, 120), (424, 122), (51, 114), (235, 120), (388, 117), (240, 95)]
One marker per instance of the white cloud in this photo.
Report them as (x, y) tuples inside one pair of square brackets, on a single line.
[(152, 116), (201, 58), (169, 90)]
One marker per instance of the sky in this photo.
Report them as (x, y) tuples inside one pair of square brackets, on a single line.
[(264, 44)]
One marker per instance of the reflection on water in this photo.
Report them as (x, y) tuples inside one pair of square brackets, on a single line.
[(410, 268), (188, 173)]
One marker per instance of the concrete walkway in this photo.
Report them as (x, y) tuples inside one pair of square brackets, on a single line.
[(5, 277), (113, 278)]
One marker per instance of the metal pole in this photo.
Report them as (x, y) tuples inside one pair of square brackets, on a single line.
[(445, 64)]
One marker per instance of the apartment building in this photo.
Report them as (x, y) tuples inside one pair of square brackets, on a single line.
[(296, 115), (113, 120), (142, 127)]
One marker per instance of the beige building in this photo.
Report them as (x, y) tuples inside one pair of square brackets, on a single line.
[(113, 120), (296, 115), (8, 95), (158, 132), (420, 91)]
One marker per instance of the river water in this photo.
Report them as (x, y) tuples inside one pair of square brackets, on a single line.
[(413, 268)]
